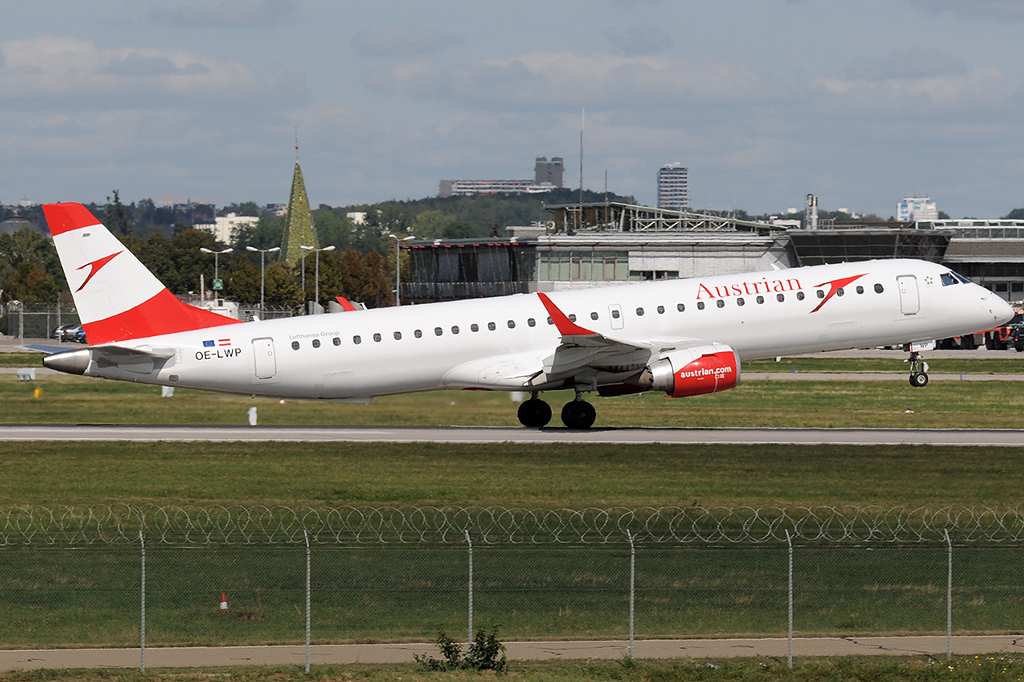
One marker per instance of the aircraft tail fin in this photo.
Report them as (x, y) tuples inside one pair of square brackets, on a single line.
[(117, 297)]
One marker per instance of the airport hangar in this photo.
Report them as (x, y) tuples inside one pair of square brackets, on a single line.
[(613, 243)]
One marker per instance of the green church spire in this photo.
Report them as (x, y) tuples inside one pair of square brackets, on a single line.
[(298, 230)]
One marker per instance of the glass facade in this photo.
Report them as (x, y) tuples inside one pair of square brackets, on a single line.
[(585, 266)]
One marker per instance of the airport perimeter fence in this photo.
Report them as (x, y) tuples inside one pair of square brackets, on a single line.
[(26, 321), (137, 576)]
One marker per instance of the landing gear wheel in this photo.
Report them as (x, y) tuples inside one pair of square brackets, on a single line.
[(918, 379), (534, 413), (918, 371), (578, 414)]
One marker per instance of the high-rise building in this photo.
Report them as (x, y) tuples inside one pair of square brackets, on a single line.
[(548, 172), (916, 209), (673, 186)]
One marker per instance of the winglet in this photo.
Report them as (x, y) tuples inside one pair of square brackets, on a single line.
[(565, 326), (346, 304)]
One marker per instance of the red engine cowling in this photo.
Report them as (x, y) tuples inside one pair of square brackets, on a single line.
[(696, 371)]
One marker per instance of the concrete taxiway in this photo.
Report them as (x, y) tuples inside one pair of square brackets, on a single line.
[(413, 434), (776, 648)]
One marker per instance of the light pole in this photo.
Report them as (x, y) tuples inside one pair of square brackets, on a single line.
[(311, 248), (263, 261), (216, 269), (398, 265)]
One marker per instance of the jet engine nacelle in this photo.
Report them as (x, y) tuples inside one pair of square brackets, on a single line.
[(695, 371)]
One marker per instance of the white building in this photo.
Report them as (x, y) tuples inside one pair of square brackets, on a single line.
[(916, 209), (673, 186), (224, 228)]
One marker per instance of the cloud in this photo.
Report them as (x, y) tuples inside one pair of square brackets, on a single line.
[(1002, 10), (564, 80), (907, 64), (136, 65), (401, 40), (227, 14), (638, 39)]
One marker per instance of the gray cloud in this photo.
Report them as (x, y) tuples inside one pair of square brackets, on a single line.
[(228, 14), (1005, 10), (638, 39), (907, 64), (402, 40), (137, 65)]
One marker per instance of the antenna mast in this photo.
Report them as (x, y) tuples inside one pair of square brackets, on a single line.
[(583, 121)]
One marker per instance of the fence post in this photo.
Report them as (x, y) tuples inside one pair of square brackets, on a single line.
[(142, 626), (789, 541), (632, 588), (305, 534), (469, 643), (949, 598)]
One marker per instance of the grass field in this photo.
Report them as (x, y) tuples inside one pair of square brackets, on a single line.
[(949, 404)]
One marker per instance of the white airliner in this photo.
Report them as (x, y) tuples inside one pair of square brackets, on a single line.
[(683, 337)]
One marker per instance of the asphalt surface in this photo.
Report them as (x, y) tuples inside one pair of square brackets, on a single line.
[(776, 648), (412, 434)]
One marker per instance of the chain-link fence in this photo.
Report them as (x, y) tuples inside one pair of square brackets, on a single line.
[(136, 575)]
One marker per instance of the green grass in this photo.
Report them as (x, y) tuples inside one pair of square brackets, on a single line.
[(865, 668), (942, 404), (542, 475)]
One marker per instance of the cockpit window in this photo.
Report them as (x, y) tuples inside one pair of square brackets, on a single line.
[(960, 277), (948, 279)]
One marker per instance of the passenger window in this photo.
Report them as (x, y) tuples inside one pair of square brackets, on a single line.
[(860, 289), (474, 327), (760, 300), (316, 343), (572, 317), (418, 334), (295, 345), (491, 326), (780, 297), (661, 310), (799, 295), (840, 292), (740, 302), (878, 289), (593, 316), (532, 322), (376, 337), (639, 312), (438, 331), (616, 314), (550, 321), (700, 305), (511, 324), (680, 307), (820, 293), (357, 340), (455, 329), (336, 340), (720, 303), (398, 336)]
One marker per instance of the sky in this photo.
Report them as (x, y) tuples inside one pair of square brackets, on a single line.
[(860, 102)]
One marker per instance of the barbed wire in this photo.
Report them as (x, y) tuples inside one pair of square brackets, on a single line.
[(348, 525)]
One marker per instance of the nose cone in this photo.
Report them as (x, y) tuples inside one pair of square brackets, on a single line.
[(70, 361), (1002, 312)]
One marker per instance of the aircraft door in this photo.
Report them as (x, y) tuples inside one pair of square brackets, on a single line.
[(615, 315), (910, 297), (263, 355)]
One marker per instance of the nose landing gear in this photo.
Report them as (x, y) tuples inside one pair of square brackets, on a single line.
[(918, 370)]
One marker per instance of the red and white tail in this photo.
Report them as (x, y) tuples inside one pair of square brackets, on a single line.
[(117, 297)]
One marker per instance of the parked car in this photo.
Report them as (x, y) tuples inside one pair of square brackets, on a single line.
[(73, 332), (60, 331)]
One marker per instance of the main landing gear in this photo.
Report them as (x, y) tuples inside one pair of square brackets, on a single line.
[(918, 371), (577, 414)]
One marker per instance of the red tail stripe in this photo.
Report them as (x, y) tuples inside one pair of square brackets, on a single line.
[(66, 217), (162, 314)]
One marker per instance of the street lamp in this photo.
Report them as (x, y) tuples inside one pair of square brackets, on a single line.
[(398, 265), (311, 248), (216, 258), (263, 261)]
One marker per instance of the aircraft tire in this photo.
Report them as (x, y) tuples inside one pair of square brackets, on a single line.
[(578, 414), (918, 379), (534, 413)]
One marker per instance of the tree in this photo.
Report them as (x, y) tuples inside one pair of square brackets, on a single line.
[(31, 285), (280, 290), (117, 217), (243, 280), (1015, 214)]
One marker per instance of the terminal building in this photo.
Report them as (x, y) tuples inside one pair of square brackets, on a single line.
[(612, 243), (547, 175)]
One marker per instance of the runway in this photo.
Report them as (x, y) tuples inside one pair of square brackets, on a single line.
[(485, 435)]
